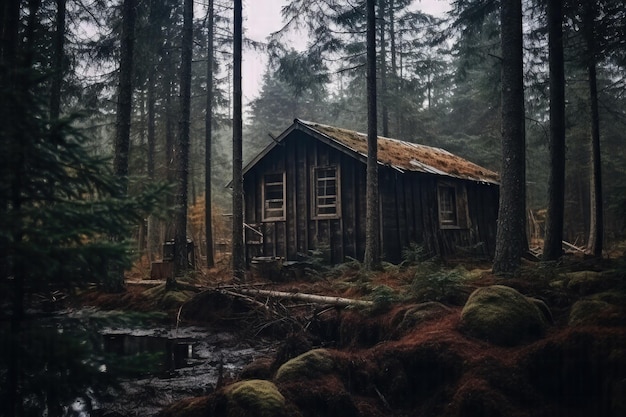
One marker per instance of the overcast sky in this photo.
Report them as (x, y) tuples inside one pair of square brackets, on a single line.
[(262, 17)]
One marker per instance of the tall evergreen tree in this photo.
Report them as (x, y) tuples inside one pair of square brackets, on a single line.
[(123, 115), (510, 237), (208, 217), (596, 223), (372, 236), (237, 235), (552, 248), (182, 146), (58, 56)]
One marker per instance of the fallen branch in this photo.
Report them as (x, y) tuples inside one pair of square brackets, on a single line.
[(570, 246), (318, 299)]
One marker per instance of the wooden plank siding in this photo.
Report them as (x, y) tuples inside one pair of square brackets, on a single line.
[(409, 209)]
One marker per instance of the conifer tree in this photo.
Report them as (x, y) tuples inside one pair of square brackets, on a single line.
[(552, 248), (182, 147), (237, 232), (510, 237)]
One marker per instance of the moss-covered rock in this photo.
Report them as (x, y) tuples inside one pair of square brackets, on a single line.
[(603, 309), (312, 364), (256, 397), (586, 282), (501, 315)]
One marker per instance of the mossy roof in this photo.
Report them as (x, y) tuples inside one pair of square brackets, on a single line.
[(400, 155), (408, 156)]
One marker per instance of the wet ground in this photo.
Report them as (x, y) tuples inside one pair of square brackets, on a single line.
[(159, 364)]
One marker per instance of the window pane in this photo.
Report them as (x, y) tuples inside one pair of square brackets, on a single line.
[(274, 198), (447, 206), (326, 191)]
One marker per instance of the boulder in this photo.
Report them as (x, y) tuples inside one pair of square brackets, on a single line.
[(503, 316), (603, 309), (312, 364), (255, 397)]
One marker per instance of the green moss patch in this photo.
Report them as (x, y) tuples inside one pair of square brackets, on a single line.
[(312, 364), (255, 397), (603, 309), (501, 315)]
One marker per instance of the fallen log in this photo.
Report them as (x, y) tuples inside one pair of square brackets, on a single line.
[(572, 247), (318, 299)]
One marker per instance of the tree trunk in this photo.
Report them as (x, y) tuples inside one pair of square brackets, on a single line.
[(552, 247), (596, 221), (115, 282), (313, 298), (9, 26), (208, 213), (182, 148), (151, 236), (57, 71), (383, 69), (372, 236), (510, 237), (237, 241)]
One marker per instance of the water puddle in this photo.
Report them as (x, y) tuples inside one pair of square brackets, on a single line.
[(156, 365)]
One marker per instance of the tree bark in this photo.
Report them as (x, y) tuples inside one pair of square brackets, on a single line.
[(237, 232), (320, 299), (208, 214), (372, 236), (510, 236), (115, 283), (182, 149), (596, 221), (383, 69), (552, 247), (57, 71)]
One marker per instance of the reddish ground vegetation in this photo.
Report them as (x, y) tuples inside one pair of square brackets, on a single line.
[(410, 358)]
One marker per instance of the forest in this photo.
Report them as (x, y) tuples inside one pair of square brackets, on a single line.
[(123, 132)]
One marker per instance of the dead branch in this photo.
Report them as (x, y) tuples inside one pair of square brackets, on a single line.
[(312, 298)]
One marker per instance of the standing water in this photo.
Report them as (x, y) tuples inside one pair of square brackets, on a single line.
[(156, 365)]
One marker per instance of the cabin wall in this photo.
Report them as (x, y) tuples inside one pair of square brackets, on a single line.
[(408, 209), (410, 214), (299, 233)]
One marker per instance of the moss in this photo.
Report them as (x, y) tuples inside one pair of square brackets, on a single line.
[(422, 312), (255, 397), (586, 282), (503, 316), (596, 312), (312, 364)]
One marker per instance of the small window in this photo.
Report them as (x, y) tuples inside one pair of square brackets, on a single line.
[(274, 197), (447, 206), (326, 189), (452, 204)]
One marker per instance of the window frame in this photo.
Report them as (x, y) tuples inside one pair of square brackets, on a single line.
[(315, 197), (266, 217), (459, 205)]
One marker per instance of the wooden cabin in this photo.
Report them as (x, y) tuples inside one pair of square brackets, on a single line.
[(306, 191)]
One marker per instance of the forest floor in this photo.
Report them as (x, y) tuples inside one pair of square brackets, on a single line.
[(408, 353)]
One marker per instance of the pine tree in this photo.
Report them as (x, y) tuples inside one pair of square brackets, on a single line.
[(237, 236), (372, 237), (510, 237), (552, 248), (182, 147), (208, 221), (123, 117)]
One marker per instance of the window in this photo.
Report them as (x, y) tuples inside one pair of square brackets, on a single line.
[(447, 206), (326, 189), (452, 203), (274, 197)]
